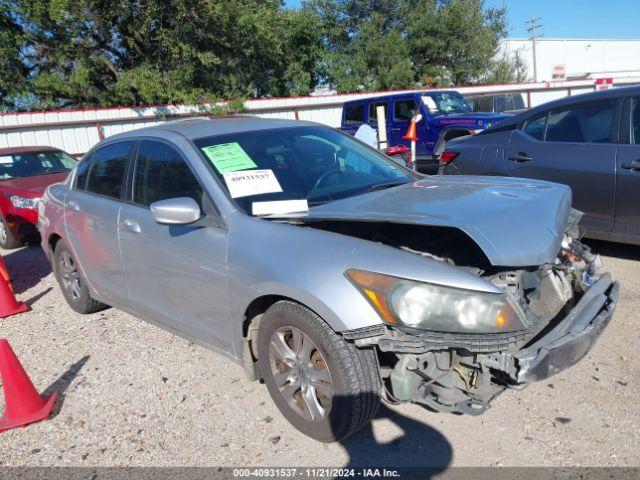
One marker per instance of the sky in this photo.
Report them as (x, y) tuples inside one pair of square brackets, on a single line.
[(592, 19)]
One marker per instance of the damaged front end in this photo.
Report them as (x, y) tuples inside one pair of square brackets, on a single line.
[(561, 309)]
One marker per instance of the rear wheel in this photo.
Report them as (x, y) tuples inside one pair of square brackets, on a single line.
[(325, 386), (72, 282), (7, 239)]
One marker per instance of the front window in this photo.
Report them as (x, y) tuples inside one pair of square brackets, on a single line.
[(29, 164), (308, 165), (442, 103)]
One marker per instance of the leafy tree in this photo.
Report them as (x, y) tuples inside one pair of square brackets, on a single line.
[(133, 52), (507, 69), (451, 40), (71, 53)]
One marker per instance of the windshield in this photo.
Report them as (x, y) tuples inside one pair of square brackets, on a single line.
[(29, 164), (288, 169), (445, 102)]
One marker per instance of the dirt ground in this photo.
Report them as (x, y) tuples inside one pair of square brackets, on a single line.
[(132, 394)]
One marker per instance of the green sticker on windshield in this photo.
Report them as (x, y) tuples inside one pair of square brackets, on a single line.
[(228, 157)]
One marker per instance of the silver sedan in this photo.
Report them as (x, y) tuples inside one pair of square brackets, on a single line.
[(329, 271)]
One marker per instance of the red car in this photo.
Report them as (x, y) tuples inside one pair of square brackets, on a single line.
[(25, 172)]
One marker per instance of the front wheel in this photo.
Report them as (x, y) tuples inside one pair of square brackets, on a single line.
[(325, 386), (8, 240)]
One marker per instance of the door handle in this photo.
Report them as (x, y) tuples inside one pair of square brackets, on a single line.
[(73, 205), (520, 157), (633, 166), (131, 225)]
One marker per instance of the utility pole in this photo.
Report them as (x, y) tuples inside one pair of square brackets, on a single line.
[(534, 36)]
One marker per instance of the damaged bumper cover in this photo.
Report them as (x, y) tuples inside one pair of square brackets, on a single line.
[(571, 339)]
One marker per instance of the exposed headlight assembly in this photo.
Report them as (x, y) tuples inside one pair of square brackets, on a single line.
[(24, 202), (435, 307)]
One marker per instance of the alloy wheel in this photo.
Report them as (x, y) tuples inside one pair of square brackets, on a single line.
[(300, 373), (70, 275)]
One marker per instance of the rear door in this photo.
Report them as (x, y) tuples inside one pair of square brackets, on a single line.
[(575, 146), (373, 115), (177, 275), (91, 218), (627, 213)]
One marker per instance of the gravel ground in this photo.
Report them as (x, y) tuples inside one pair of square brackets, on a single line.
[(132, 394)]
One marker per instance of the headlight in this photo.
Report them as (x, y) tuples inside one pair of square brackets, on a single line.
[(435, 307), (24, 202)]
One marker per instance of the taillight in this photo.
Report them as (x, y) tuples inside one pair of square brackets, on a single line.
[(447, 157)]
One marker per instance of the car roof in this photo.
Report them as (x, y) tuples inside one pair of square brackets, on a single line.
[(613, 93), (395, 95), (199, 127), (28, 149)]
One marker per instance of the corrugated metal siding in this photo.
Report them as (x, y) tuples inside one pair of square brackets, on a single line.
[(76, 131)]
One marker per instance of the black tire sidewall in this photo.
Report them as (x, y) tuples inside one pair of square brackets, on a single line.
[(11, 242), (339, 421), (82, 304)]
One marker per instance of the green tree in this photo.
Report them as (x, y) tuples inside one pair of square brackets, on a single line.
[(452, 40), (507, 69), (133, 52)]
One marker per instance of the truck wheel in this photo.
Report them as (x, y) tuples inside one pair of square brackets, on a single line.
[(72, 282), (7, 239), (325, 386)]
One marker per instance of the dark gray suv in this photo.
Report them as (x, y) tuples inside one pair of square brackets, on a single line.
[(590, 142)]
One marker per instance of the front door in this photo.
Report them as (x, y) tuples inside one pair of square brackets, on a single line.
[(575, 146), (402, 112), (91, 214), (177, 275), (627, 218)]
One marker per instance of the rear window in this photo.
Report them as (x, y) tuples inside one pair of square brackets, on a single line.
[(354, 114), (591, 123), (536, 126), (108, 170), (373, 111), (82, 173)]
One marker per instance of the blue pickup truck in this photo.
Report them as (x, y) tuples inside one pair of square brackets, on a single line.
[(445, 115)]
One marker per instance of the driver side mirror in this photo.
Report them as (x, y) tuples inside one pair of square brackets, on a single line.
[(176, 211)]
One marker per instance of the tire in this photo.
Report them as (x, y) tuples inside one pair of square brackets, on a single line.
[(72, 282), (329, 371), (7, 240)]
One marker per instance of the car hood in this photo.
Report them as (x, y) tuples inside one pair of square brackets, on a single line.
[(516, 222), (31, 186), (471, 120)]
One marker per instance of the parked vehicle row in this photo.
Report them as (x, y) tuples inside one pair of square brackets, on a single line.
[(507, 102), (589, 142), (329, 271), (24, 174), (445, 115)]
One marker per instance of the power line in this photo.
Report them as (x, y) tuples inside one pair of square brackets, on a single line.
[(534, 36)]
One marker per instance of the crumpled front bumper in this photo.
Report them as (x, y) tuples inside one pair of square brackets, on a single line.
[(572, 338)]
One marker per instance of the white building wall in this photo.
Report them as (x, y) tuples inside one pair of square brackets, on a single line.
[(599, 58), (76, 131)]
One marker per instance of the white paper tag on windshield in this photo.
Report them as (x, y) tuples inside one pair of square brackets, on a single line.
[(430, 103), (251, 182), (6, 160), (280, 207)]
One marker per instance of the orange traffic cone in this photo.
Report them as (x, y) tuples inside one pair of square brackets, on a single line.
[(8, 303), (23, 403), (5, 273), (411, 132)]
